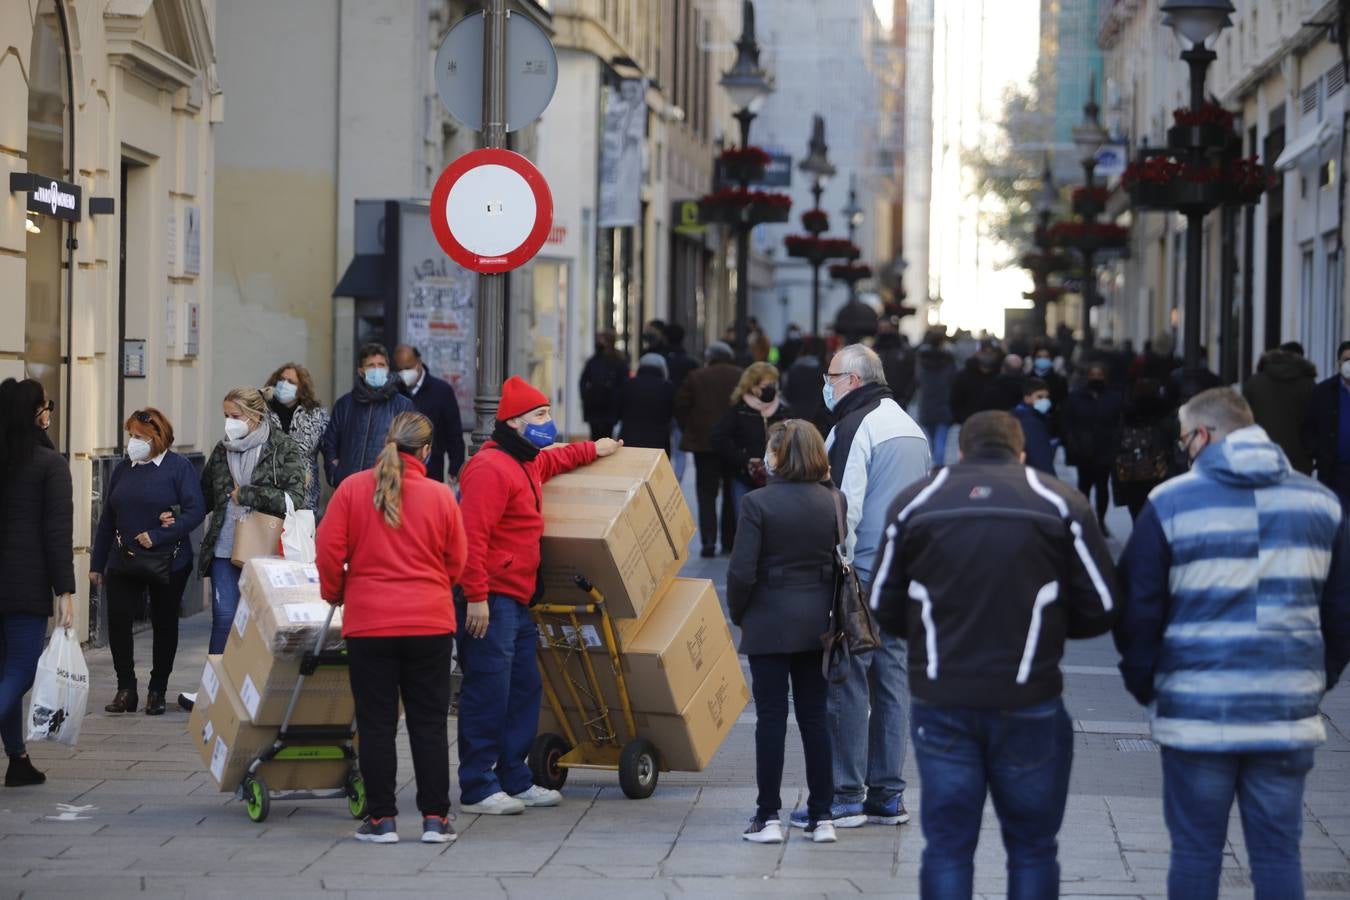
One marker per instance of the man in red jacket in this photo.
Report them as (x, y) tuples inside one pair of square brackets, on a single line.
[(501, 492)]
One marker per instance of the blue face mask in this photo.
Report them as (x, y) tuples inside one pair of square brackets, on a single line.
[(828, 393), (542, 435), (1042, 405), (1043, 365), (376, 378)]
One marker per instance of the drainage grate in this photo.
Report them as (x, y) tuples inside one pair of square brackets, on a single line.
[(1136, 745)]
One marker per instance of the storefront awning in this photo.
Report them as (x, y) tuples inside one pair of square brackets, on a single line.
[(1301, 146), (363, 277)]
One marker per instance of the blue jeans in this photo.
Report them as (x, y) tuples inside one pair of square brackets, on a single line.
[(22, 639), (937, 442), (224, 601), (739, 490), (867, 725), (1198, 792), (1019, 756), (498, 701), (678, 458)]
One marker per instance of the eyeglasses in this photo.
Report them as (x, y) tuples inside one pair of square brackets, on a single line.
[(829, 375), (49, 406)]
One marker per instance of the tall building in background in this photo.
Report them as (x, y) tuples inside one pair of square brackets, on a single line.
[(918, 163)]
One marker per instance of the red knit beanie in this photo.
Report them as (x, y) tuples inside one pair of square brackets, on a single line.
[(518, 398)]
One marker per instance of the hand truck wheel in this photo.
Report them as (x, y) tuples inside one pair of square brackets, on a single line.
[(356, 795), (545, 753), (639, 769), (256, 799)]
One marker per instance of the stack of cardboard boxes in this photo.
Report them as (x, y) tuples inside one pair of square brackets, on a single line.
[(244, 693), (623, 524)]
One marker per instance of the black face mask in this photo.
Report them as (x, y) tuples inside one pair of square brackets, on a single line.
[(767, 394)]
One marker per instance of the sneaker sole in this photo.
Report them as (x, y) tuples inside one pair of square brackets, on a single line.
[(546, 804), (824, 839), (475, 810), (378, 838), (432, 837), (884, 820), (758, 839)]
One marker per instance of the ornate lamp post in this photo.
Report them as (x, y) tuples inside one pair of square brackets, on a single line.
[(1043, 261), (747, 84), (817, 164), (849, 273), (1088, 138)]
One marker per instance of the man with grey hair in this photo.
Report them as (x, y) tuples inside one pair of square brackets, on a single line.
[(1236, 621), (876, 451)]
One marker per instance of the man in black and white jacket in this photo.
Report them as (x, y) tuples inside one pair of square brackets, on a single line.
[(987, 568)]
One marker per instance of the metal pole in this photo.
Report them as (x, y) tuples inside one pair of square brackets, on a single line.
[(1089, 271), (744, 117), (816, 190), (1198, 60), (491, 288)]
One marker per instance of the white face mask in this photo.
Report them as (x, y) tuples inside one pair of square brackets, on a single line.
[(1345, 370), (235, 429), (138, 449), (409, 376)]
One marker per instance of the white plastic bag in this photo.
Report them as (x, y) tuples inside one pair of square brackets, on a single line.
[(297, 534), (60, 691)]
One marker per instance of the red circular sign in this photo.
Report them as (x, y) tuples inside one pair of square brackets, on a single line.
[(491, 210)]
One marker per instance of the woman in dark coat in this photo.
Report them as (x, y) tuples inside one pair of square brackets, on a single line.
[(741, 435), (780, 590), (36, 558), (647, 405), (1091, 424)]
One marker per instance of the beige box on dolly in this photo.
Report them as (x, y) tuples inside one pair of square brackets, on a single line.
[(640, 673)]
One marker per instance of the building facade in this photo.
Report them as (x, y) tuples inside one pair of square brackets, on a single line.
[(105, 240)]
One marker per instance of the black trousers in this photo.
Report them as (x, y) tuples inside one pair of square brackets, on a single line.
[(602, 428), (1098, 477), (770, 674), (709, 479), (124, 596), (416, 669)]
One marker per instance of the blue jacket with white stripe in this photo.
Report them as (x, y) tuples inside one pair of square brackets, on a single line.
[(987, 568), (1236, 617)]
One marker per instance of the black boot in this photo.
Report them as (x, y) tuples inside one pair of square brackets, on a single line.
[(154, 703), (21, 772), (124, 701)]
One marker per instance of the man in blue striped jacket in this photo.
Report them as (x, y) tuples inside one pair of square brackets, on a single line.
[(1236, 622)]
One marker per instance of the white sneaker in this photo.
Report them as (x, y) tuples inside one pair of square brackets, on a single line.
[(538, 796), (498, 804), (762, 831), (822, 833)]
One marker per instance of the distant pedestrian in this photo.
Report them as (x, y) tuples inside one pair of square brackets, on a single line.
[(700, 404), (876, 451), (37, 559), (355, 434), (434, 398), (678, 364), (499, 701), (294, 410), (390, 551), (780, 592), (1145, 456), (1235, 623), (1033, 414), (897, 360), (1326, 431), (972, 384), (935, 376), (740, 437), (1091, 429), (647, 406), (988, 567), (791, 348), (801, 384), (152, 504), (1279, 393), (1043, 367), (602, 385), (1005, 391)]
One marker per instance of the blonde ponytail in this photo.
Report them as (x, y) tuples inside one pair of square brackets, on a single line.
[(408, 433)]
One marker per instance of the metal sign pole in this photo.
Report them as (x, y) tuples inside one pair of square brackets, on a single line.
[(491, 288)]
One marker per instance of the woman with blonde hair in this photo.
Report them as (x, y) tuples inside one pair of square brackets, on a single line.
[(740, 437), (293, 408), (391, 549)]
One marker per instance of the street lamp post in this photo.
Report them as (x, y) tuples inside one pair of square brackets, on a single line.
[(853, 215), (1046, 200), (818, 165), (1088, 138), (1195, 23), (747, 84)]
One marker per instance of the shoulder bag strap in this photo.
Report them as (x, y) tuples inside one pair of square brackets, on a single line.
[(840, 523)]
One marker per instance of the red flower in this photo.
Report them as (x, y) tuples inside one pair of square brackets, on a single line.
[(815, 220), (745, 155)]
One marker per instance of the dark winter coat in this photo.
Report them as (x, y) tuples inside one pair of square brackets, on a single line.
[(742, 435), (601, 386), (935, 376), (1322, 427), (702, 401), (898, 364), (1036, 433), (802, 390), (37, 560), (647, 410), (355, 434), (969, 389), (679, 364), (1090, 422), (436, 400), (1279, 394), (280, 471), (780, 581)]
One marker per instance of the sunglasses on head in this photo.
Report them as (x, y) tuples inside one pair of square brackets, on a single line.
[(145, 419)]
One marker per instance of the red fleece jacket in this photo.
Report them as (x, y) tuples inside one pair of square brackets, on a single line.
[(504, 517), (392, 582)]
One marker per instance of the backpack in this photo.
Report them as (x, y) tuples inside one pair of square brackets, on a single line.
[(1141, 457)]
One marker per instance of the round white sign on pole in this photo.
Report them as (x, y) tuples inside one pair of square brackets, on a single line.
[(491, 210)]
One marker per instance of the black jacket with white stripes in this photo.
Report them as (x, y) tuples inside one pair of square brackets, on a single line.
[(988, 566)]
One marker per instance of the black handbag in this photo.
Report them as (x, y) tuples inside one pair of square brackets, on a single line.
[(153, 565), (853, 631)]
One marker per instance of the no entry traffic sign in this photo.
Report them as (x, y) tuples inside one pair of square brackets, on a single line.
[(491, 210)]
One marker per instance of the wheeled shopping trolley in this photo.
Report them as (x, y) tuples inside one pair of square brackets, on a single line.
[(598, 743), (305, 744)]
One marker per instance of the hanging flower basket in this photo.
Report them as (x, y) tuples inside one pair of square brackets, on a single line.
[(743, 165), (1089, 235), (850, 272), (1164, 183), (816, 249), (1089, 202), (1207, 127), (816, 221), (733, 206), (1249, 180)]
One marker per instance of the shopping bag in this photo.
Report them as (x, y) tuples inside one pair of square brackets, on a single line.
[(297, 534), (256, 534), (60, 691)]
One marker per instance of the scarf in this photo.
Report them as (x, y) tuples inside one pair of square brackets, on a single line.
[(767, 410), (515, 445), (364, 393), (243, 454)]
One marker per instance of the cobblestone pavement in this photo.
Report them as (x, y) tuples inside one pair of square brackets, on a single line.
[(131, 812)]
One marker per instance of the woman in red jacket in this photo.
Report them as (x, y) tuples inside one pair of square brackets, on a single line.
[(390, 549), (501, 489)]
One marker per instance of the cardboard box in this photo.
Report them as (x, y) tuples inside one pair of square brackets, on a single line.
[(284, 597), (687, 742), (228, 743), (265, 682), (682, 635), (622, 522)]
